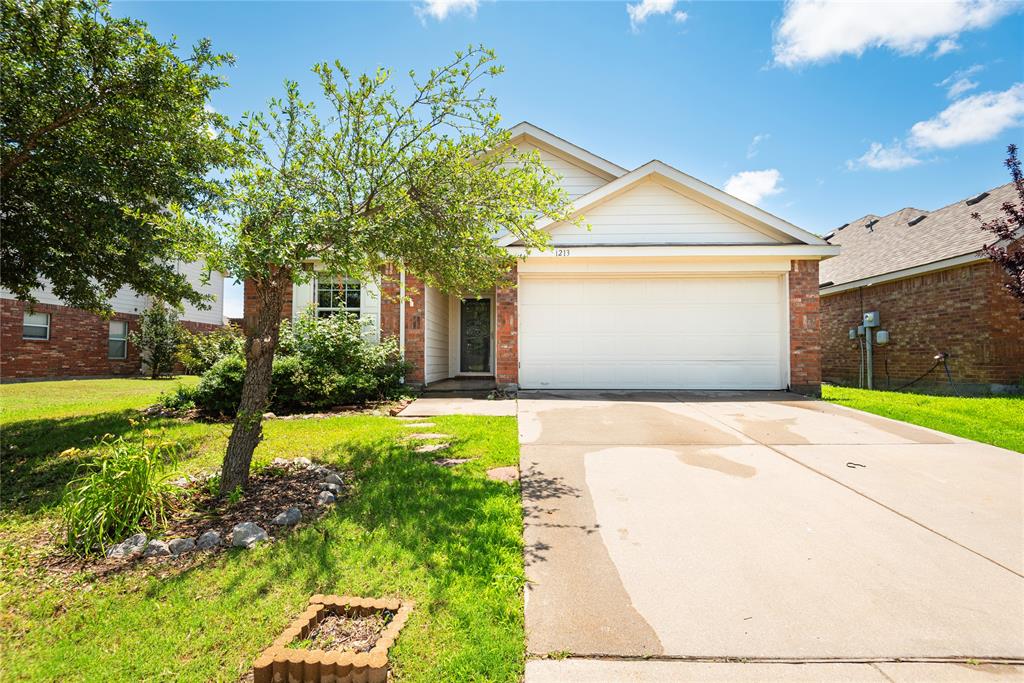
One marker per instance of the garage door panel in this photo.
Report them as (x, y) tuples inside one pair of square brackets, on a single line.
[(657, 333)]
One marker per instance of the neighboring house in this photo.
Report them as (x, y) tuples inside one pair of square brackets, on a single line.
[(52, 340), (935, 291), (677, 285)]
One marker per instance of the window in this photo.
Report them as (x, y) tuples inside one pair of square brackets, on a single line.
[(332, 298), (117, 342), (36, 326)]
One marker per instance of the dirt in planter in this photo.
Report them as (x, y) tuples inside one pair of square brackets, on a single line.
[(341, 631)]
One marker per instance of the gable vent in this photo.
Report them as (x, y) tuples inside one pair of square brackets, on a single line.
[(974, 200), (915, 221)]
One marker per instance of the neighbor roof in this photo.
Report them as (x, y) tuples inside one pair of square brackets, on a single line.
[(873, 246)]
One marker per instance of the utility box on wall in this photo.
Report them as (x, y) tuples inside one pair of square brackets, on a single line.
[(871, 319)]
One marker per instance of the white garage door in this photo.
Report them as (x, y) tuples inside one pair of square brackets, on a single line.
[(651, 333)]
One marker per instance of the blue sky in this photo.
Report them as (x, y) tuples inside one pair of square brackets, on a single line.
[(817, 112)]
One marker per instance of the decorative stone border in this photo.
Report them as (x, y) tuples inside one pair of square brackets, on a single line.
[(281, 664)]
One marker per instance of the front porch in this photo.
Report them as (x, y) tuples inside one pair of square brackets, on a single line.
[(456, 343)]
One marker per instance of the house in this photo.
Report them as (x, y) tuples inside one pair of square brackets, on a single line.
[(51, 340), (935, 293), (676, 285)]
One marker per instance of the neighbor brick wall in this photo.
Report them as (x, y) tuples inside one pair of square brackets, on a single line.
[(249, 303), (506, 313), (963, 311), (77, 346), (415, 328), (804, 328)]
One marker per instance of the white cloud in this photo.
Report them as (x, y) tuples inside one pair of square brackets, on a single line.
[(814, 31), (753, 186), (752, 148), (945, 46), (440, 9), (882, 158), (976, 118), (639, 12), (959, 82), (680, 16)]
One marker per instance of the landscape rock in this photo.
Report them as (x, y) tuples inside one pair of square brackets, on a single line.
[(133, 545), (450, 462), (269, 416), (421, 436), (421, 425), (326, 498), (302, 461), (180, 482), (333, 488), (431, 447), (156, 549), (289, 517), (333, 478), (280, 462), (208, 540), (503, 473), (178, 546), (247, 534)]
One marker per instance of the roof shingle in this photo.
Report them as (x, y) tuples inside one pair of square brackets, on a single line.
[(892, 244)]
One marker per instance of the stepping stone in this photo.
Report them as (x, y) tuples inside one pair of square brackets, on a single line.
[(421, 425), (450, 462), (508, 474), (431, 447), (420, 436)]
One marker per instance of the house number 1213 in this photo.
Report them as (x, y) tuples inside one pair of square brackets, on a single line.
[(561, 252)]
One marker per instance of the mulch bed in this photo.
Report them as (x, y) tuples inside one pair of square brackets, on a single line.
[(271, 490), (344, 632)]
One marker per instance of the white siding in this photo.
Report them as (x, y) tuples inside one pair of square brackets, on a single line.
[(436, 337), (125, 300), (302, 297), (214, 287), (369, 310), (576, 180), (650, 213)]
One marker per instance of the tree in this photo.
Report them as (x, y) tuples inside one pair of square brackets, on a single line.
[(423, 184), (158, 338), (103, 125), (1008, 249)]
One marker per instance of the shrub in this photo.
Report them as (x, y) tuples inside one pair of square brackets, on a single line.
[(199, 351), (123, 487), (321, 362), (157, 338)]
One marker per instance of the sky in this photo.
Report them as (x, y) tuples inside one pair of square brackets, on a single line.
[(818, 112)]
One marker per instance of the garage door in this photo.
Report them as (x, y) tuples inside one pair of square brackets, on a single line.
[(651, 333)]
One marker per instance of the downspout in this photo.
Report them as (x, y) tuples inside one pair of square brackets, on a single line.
[(401, 316)]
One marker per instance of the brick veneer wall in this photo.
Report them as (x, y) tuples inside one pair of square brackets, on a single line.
[(77, 346), (804, 328), (415, 328), (249, 302), (963, 311), (506, 314)]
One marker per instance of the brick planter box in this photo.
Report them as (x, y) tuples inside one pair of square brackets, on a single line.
[(281, 664)]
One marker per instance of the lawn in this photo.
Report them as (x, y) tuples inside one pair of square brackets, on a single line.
[(450, 539), (995, 420)]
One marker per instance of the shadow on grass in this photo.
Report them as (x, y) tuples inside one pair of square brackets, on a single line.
[(404, 513), (34, 472)]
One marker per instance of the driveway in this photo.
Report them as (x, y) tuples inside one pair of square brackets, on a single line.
[(764, 527)]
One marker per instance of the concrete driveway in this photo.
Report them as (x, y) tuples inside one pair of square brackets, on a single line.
[(764, 527)]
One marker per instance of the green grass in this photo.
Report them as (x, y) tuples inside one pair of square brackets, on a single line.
[(994, 420), (450, 539)]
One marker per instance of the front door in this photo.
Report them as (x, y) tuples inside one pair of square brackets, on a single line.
[(475, 335)]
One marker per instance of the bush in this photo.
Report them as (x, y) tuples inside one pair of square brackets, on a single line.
[(320, 363), (199, 351), (117, 492), (157, 338)]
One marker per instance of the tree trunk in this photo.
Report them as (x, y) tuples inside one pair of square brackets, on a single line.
[(261, 334)]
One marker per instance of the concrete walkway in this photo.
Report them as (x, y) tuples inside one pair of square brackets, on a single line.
[(765, 527)]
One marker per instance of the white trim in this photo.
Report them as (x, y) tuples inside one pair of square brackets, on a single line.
[(797, 251), (587, 159), (944, 264), (698, 190)]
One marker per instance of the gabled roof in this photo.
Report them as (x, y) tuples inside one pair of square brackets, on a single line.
[(874, 246), (565, 148), (697, 190)]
